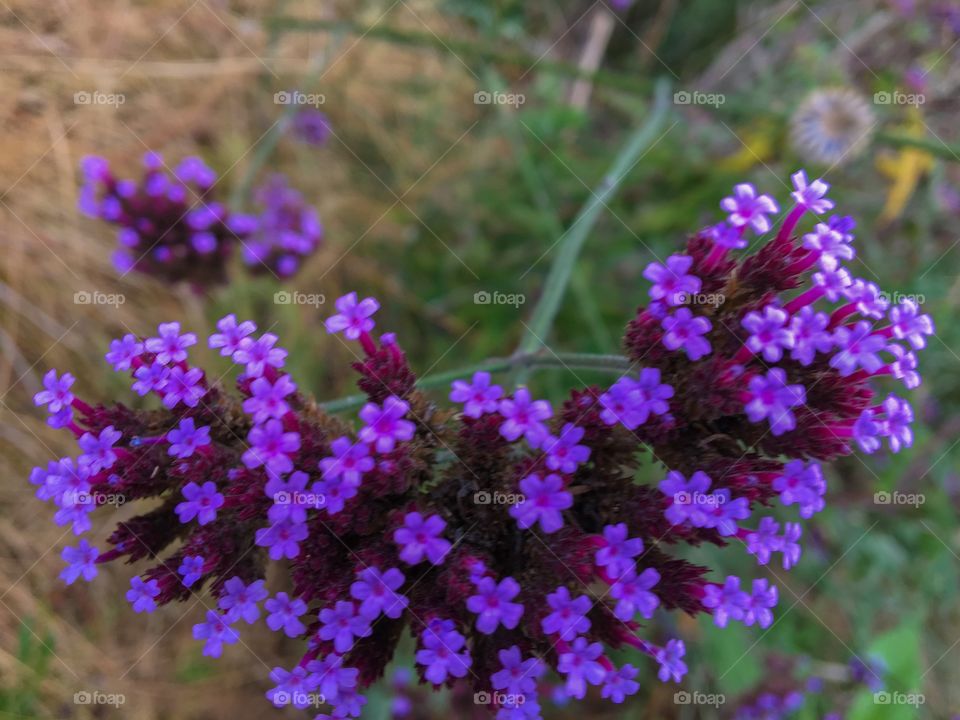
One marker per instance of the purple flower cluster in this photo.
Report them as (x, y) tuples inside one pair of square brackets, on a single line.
[(284, 232)]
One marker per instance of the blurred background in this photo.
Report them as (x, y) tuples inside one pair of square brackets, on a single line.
[(464, 139)]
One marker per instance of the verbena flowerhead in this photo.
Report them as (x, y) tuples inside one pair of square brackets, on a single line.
[(511, 539), (310, 126)]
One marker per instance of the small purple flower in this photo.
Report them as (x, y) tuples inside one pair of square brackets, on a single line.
[(284, 612), (632, 402), (271, 446), (670, 657), (904, 367), (524, 417), (191, 568), (141, 594), (769, 334), (183, 386), (353, 318), (747, 208), (517, 676), (810, 196), (832, 245), (342, 624), (216, 632), (870, 300), (834, 282), (685, 496), (727, 236), (57, 395), (283, 537), (867, 431), (618, 684), (563, 453), (773, 399), (618, 551), (256, 355), (377, 593), (580, 666), (231, 334), (719, 512), (268, 400), (478, 396), (150, 378), (899, 417), (543, 502), (802, 484), (186, 438), (290, 497), (569, 616), (311, 126), (763, 596), (492, 604), (98, 453), (294, 687), (789, 545), (671, 282), (685, 330), (632, 593), (349, 462), (764, 541), (421, 538), (201, 503), (908, 323), (241, 601), (858, 348), (443, 653), (385, 426), (810, 335), (81, 562), (335, 494), (728, 602), (171, 346)]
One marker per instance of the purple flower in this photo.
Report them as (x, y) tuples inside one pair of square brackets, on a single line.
[(569, 616), (764, 540), (420, 538), (349, 461), (524, 417), (685, 330), (832, 245), (671, 282), (899, 416), (377, 593), (618, 551), (479, 396), (810, 335), (141, 594), (810, 196), (747, 208), (284, 613), (201, 503), (342, 624), (543, 502), (618, 684), (334, 681), (290, 497), (867, 431), (80, 562), (57, 395), (256, 355), (335, 494), (216, 632), (686, 496), (908, 323), (241, 601), (186, 438), (580, 666), (98, 451), (283, 537), (833, 283), (171, 346), (769, 334), (719, 512), (293, 688), (492, 604), (802, 484), (443, 653), (632, 593), (311, 126), (670, 657), (632, 402), (773, 399), (231, 334), (353, 318), (385, 426), (870, 301), (789, 546), (563, 453), (286, 231), (183, 386), (271, 446), (518, 676), (727, 601), (727, 236), (857, 348), (267, 399), (150, 378), (191, 568), (757, 607)]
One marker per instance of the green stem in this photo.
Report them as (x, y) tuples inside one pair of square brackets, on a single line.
[(568, 361), (931, 145), (538, 329)]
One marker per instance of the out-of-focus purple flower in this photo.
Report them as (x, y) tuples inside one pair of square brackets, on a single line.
[(580, 666), (909, 324), (764, 541), (523, 416), (310, 126), (201, 503), (186, 438), (832, 283), (632, 593), (353, 318), (672, 282), (728, 236), (670, 657), (216, 632), (728, 602), (80, 562), (492, 604), (241, 601), (762, 598), (810, 195), (569, 616), (543, 502), (685, 330), (867, 431), (904, 367), (772, 399), (342, 624), (686, 496), (420, 538), (899, 417), (769, 334), (619, 684), (285, 231), (384, 426), (748, 208), (870, 301), (810, 335), (789, 545), (857, 348), (150, 378), (294, 687), (802, 484), (141, 594)]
